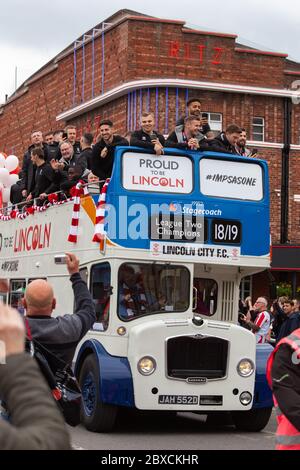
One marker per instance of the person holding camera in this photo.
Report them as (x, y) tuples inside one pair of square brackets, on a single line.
[(194, 109), (60, 335), (147, 137), (35, 421)]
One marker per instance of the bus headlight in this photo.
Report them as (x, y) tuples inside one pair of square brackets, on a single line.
[(245, 398), (146, 365), (245, 368)]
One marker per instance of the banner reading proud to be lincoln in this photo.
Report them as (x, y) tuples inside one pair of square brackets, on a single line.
[(168, 174)]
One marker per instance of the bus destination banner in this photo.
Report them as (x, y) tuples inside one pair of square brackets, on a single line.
[(167, 174), (228, 179), (195, 251)]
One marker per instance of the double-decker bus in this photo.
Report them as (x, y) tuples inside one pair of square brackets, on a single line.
[(178, 234)]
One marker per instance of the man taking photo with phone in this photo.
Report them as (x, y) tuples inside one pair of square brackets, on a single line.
[(60, 335), (147, 137)]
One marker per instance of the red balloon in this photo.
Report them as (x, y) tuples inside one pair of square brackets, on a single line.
[(16, 171)]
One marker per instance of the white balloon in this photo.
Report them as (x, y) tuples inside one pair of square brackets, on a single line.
[(4, 176), (6, 194), (13, 179), (2, 160), (11, 162)]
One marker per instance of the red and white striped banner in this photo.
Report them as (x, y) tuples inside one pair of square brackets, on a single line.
[(99, 235), (79, 190)]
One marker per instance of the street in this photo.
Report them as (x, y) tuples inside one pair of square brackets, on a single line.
[(187, 431)]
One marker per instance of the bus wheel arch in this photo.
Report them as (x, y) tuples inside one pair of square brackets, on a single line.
[(96, 415), (253, 420)]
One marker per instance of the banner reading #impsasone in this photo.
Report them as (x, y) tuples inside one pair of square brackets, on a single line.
[(167, 174)]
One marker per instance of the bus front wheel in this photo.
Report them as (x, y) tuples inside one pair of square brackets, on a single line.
[(95, 415), (252, 420)]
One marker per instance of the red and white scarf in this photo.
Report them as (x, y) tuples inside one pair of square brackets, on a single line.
[(99, 234), (80, 189)]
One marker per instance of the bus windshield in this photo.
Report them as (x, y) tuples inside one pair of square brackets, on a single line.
[(145, 289)]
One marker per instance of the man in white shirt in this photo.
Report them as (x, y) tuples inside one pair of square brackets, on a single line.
[(261, 324)]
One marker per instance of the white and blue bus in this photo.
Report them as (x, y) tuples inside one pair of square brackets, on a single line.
[(180, 232)]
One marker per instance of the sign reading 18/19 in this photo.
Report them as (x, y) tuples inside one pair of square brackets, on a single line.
[(226, 231)]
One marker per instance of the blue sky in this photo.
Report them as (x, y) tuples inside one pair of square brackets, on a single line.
[(33, 32)]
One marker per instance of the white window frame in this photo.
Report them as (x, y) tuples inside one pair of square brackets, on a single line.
[(216, 126), (255, 134), (246, 291)]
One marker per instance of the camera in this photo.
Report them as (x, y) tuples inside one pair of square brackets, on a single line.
[(60, 259), (204, 115)]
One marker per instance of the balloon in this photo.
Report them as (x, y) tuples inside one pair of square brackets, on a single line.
[(12, 180), (6, 194), (4, 176), (16, 171), (2, 160), (11, 163)]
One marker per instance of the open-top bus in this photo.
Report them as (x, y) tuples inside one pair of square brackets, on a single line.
[(180, 232)]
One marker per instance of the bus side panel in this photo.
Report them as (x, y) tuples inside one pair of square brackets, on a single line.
[(262, 392), (116, 386)]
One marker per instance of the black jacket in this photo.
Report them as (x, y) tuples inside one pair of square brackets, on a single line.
[(62, 334), (84, 159), (28, 169), (102, 167), (286, 384), (36, 422), (142, 139), (291, 323), (221, 144), (44, 180)]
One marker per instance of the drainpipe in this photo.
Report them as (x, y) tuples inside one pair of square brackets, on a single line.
[(284, 223)]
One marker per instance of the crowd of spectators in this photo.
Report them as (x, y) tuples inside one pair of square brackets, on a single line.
[(273, 324), (57, 161)]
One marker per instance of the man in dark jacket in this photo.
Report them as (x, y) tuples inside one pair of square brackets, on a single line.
[(194, 109), (36, 422), (26, 185), (85, 157), (188, 137), (103, 153), (62, 334), (291, 322), (147, 137), (226, 141), (44, 176)]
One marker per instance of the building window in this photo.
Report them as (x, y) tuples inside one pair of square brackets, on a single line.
[(246, 287), (258, 129), (215, 121)]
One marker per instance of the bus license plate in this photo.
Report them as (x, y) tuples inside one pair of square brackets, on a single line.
[(178, 400)]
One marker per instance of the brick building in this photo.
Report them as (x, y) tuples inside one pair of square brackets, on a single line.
[(131, 63)]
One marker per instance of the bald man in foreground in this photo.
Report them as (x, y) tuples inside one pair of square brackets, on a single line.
[(61, 334)]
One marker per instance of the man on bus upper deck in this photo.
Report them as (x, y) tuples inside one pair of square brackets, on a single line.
[(147, 138), (188, 137), (62, 334)]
